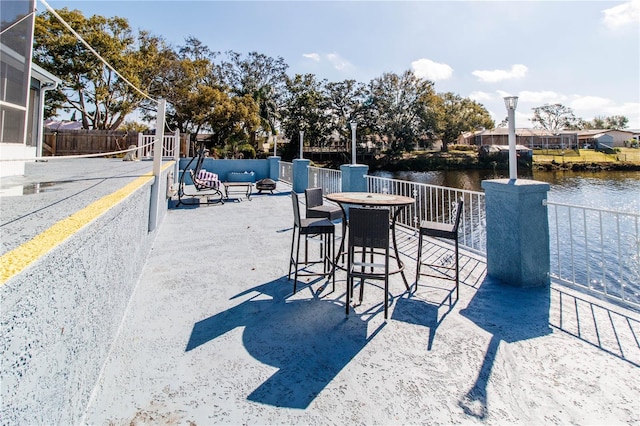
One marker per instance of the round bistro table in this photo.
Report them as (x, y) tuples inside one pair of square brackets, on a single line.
[(373, 199)]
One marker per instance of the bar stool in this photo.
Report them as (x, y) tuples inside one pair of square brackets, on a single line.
[(447, 231), (316, 207), (311, 227), (368, 236)]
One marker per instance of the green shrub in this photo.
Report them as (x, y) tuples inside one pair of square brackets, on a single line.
[(463, 148)]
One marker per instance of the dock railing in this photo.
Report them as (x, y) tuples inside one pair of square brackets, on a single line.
[(170, 143), (437, 203), (286, 172), (592, 250), (329, 180), (596, 250)]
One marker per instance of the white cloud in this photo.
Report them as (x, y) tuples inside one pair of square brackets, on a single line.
[(338, 62), (543, 97), (517, 71), (335, 60), (588, 107), (590, 102), (426, 68), (622, 15), (480, 96)]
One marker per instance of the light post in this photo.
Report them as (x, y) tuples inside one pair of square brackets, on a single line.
[(511, 102), (353, 141), (301, 143), (275, 145)]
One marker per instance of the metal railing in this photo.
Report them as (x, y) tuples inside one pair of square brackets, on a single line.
[(438, 203), (170, 142), (597, 250), (329, 180), (286, 172)]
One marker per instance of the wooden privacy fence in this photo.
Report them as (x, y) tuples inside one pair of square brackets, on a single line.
[(81, 142)]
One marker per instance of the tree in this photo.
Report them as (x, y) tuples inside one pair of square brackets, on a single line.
[(399, 104), (90, 87), (345, 102), (305, 109), (260, 76), (133, 126), (615, 122), (554, 118), (457, 115), (185, 84)]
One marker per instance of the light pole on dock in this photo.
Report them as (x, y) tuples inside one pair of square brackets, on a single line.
[(301, 143), (353, 141), (511, 102)]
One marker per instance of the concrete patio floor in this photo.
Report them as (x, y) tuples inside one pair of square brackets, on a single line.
[(214, 335)]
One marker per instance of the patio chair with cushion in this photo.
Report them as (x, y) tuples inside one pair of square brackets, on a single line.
[(205, 183), (311, 227), (448, 231), (316, 207), (368, 238)]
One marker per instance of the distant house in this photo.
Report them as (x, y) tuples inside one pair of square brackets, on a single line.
[(530, 138), (604, 138)]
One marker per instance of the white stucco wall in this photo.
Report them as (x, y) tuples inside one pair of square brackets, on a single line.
[(60, 316)]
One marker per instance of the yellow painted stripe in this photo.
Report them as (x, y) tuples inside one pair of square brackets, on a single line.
[(16, 260)]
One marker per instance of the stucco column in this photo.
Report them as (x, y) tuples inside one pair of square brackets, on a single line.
[(517, 231), (300, 174), (353, 177), (274, 168)]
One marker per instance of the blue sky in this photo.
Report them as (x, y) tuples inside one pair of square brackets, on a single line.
[(582, 54)]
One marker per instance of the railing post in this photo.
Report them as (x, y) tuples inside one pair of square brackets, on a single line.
[(300, 176), (140, 143), (274, 168), (157, 165), (518, 251), (176, 158), (353, 177)]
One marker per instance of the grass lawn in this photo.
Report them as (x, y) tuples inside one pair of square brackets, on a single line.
[(630, 155)]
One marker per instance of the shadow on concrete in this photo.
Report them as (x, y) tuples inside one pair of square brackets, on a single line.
[(422, 312), (611, 331), (510, 314), (308, 340)]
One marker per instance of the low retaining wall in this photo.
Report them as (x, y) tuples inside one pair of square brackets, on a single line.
[(260, 168), (60, 316)]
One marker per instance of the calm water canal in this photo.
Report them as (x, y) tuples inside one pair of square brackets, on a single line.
[(602, 268), (604, 190)]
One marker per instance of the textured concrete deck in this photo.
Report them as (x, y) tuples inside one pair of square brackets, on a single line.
[(214, 335)]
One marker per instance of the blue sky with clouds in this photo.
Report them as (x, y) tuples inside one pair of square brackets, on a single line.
[(582, 54)]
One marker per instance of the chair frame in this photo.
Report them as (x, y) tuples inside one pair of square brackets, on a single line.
[(311, 227), (368, 235), (204, 188), (444, 231)]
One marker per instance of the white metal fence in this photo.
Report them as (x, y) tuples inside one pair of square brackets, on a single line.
[(438, 203), (329, 180), (597, 250), (286, 172), (170, 143)]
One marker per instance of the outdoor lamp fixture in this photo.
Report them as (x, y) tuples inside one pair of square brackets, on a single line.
[(353, 141), (511, 102), (301, 137), (275, 145)]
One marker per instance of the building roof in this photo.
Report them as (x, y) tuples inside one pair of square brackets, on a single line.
[(43, 75)]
